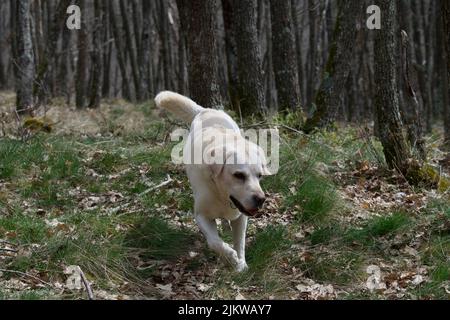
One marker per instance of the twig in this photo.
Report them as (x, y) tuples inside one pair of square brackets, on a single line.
[(26, 275), (7, 242), (9, 250), (162, 184), (86, 285)]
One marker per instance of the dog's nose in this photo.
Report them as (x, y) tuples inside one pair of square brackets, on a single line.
[(258, 200)]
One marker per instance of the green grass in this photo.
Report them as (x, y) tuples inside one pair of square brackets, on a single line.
[(41, 294), (377, 227), (365, 235), (16, 155), (325, 234), (156, 239), (435, 254), (341, 268), (316, 197), (108, 162), (133, 245), (266, 245), (28, 229), (264, 253)]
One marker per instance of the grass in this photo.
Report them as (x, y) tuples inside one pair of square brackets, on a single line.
[(157, 240), (316, 197), (344, 250), (341, 268), (377, 227), (436, 255), (153, 237), (266, 245), (264, 255)]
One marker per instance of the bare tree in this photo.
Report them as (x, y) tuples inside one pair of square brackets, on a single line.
[(203, 64), (97, 55), (2, 49), (145, 63), (25, 59), (337, 69), (445, 10), (82, 63), (47, 58), (284, 56), (120, 51), (229, 18), (131, 48), (250, 78), (395, 146)]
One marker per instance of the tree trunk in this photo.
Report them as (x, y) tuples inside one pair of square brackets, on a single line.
[(3, 81), (145, 65), (298, 43), (97, 65), (395, 146), (107, 52), (47, 59), (164, 34), (411, 105), (203, 64), (231, 52), (182, 72), (131, 48), (120, 52), (445, 11), (82, 62), (250, 77), (25, 56), (337, 69), (64, 67), (311, 83), (284, 56)]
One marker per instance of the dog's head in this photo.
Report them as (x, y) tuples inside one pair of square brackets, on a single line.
[(239, 176)]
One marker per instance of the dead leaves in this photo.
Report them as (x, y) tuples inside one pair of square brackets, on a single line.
[(74, 281), (311, 290), (90, 203), (374, 281), (392, 283)]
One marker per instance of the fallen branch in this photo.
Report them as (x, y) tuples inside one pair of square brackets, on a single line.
[(7, 242), (26, 275), (9, 250), (162, 184), (86, 285)]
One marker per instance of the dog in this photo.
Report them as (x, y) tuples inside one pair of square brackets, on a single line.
[(226, 181)]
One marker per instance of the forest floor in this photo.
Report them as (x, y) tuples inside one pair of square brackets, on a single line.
[(91, 196)]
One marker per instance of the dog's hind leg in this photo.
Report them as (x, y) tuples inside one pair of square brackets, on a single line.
[(215, 243), (239, 227)]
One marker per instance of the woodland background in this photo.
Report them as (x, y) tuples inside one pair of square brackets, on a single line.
[(359, 209)]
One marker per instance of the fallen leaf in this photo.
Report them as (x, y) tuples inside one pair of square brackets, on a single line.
[(73, 282), (374, 281)]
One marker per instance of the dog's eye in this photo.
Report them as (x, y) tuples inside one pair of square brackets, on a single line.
[(260, 176), (240, 176)]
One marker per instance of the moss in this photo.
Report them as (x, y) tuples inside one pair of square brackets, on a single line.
[(38, 124)]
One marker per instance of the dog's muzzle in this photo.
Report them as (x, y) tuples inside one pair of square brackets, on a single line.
[(250, 213)]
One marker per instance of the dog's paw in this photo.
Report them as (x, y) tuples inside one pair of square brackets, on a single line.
[(230, 255), (241, 266)]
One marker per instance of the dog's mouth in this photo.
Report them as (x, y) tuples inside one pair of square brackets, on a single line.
[(254, 213)]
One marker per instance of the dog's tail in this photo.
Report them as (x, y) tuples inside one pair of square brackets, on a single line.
[(182, 107)]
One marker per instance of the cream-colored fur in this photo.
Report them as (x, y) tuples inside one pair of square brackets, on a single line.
[(222, 189)]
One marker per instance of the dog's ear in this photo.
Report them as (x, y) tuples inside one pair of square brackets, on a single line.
[(263, 159), (218, 157), (266, 171)]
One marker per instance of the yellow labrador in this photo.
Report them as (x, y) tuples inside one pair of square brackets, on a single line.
[(224, 170)]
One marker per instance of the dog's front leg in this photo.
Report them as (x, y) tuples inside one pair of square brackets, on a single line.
[(239, 227), (215, 243)]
